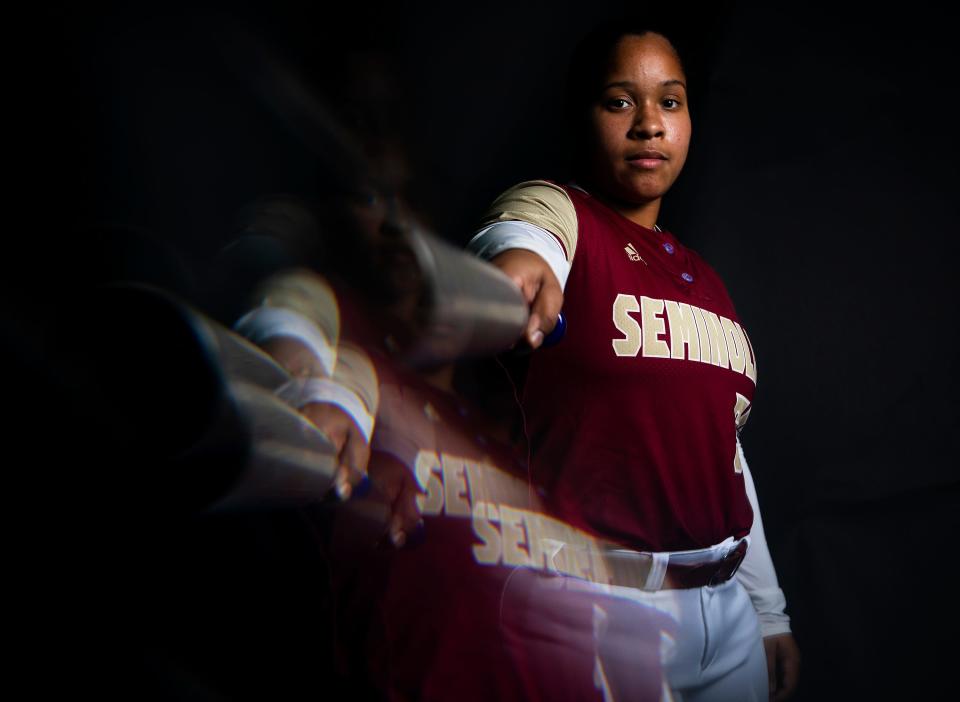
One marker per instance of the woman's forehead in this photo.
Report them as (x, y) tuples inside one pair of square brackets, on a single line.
[(649, 58)]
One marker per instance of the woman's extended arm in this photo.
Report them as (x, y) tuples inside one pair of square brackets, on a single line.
[(530, 233), (333, 384)]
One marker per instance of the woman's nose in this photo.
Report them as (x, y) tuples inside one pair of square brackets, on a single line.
[(647, 122)]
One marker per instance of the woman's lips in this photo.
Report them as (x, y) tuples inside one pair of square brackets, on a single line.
[(646, 163), (647, 159)]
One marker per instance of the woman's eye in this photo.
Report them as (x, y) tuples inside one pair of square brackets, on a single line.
[(671, 103), (618, 103)]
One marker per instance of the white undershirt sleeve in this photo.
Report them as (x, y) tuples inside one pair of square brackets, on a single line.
[(756, 573), (299, 392), (264, 323), (515, 234)]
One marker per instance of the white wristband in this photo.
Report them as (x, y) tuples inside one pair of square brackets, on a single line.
[(514, 234), (265, 322), (302, 391)]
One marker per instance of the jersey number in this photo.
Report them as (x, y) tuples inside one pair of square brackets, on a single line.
[(741, 410)]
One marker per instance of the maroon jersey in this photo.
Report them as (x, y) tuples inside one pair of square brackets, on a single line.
[(633, 416), (471, 613)]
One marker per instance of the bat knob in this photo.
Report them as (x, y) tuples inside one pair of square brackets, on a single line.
[(363, 487), (556, 335)]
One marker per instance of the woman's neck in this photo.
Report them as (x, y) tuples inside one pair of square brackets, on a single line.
[(645, 214)]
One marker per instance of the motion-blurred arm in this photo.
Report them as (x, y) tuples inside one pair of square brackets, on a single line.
[(333, 384)]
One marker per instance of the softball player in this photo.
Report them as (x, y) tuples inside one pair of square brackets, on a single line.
[(634, 419)]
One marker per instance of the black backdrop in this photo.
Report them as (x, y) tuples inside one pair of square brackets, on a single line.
[(821, 185)]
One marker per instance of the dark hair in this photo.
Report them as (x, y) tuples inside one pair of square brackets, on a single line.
[(588, 66)]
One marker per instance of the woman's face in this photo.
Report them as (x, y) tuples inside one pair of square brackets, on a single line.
[(640, 125)]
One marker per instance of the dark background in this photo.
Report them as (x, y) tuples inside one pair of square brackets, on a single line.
[(821, 185)]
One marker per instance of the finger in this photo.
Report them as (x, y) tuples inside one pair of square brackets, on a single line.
[(789, 673), (336, 432), (518, 280), (526, 281), (529, 273), (406, 506), (356, 451), (522, 267), (353, 463), (402, 535), (348, 480), (341, 482), (406, 522), (388, 484), (334, 424), (397, 534), (544, 311), (417, 534), (534, 333), (525, 277), (528, 288), (770, 648)]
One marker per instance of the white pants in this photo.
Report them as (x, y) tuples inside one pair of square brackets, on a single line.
[(716, 652), (710, 648)]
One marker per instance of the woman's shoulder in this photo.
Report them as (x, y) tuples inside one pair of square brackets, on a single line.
[(543, 203), (543, 190)]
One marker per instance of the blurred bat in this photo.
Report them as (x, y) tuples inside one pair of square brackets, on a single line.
[(203, 397), (453, 304)]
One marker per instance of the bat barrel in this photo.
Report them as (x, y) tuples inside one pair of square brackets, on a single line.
[(192, 407), (474, 309)]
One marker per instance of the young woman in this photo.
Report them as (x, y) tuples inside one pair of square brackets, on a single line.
[(634, 417)]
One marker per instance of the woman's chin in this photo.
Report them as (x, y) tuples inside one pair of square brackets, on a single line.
[(638, 197)]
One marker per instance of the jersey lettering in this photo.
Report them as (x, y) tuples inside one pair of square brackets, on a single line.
[(622, 307), (695, 334), (653, 327)]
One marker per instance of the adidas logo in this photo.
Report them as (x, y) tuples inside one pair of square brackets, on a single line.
[(632, 253)]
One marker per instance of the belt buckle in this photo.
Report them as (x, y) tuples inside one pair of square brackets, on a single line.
[(729, 565)]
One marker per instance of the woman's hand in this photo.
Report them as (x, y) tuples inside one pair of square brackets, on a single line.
[(540, 289), (395, 483), (783, 665), (353, 451)]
